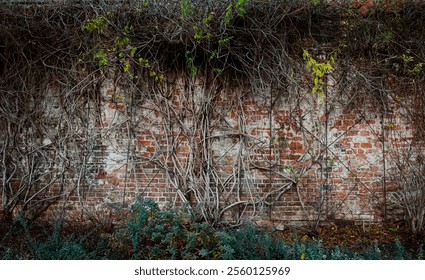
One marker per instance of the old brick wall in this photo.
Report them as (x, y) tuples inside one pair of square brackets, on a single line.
[(302, 160), (102, 118), (276, 157)]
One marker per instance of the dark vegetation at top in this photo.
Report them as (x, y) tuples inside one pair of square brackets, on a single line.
[(261, 42)]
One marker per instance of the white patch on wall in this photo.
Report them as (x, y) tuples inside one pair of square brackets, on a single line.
[(114, 160)]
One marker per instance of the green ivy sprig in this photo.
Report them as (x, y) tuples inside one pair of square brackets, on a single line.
[(320, 69)]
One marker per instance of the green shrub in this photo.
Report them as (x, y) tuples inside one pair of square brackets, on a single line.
[(153, 233), (53, 243), (60, 246), (163, 234), (8, 254), (250, 243), (57, 249)]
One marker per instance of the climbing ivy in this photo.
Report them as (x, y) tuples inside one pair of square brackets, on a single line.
[(319, 70)]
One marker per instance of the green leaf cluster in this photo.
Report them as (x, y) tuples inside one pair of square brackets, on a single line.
[(319, 70), (98, 24), (186, 8), (408, 58), (190, 62), (162, 234), (236, 6)]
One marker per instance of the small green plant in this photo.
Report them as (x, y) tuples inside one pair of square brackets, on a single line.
[(121, 42), (388, 36), (206, 21), (144, 62), (146, 3), (418, 67), (186, 8), (390, 126), (133, 52), (407, 58), (157, 77), (250, 243), (228, 14), (225, 41), (98, 24), (190, 62), (320, 69), (157, 233), (238, 6), (202, 32), (315, 2), (217, 71), (289, 168), (101, 57)]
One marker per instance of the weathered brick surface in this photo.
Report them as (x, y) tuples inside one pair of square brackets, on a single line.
[(297, 162)]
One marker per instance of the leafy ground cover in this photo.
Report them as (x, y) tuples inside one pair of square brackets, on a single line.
[(355, 238), (149, 232)]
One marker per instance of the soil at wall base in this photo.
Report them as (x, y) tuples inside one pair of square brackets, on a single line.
[(355, 236)]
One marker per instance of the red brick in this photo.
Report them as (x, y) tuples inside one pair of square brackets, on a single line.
[(348, 122), (366, 145), (295, 146), (145, 143)]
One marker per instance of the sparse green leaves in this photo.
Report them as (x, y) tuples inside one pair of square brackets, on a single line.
[(190, 62), (217, 71), (206, 21), (98, 24), (101, 57), (315, 2), (289, 168), (133, 52), (238, 7), (157, 77), (213, 55), (407, 58), (186, 8), (225, 41), (121, 41), (202, 32), (228, 14), (320, 69), (418, 67), (388, 36), (143, 62)]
